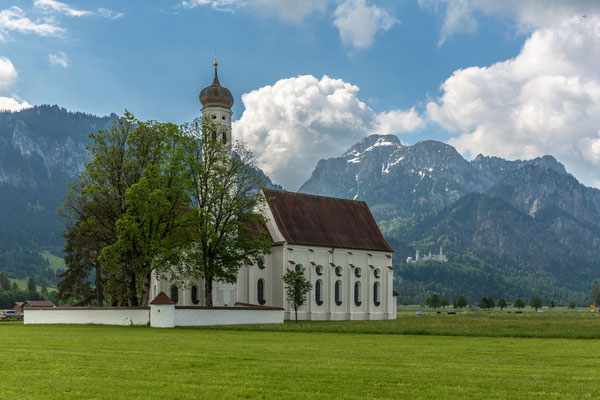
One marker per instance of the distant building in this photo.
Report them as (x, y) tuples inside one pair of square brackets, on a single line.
[(19, 306), (430, 257)]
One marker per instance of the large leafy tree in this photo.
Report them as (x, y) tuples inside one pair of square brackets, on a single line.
[(225, 222), (128, 206)]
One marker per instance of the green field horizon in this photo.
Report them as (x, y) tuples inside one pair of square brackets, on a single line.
[(305, 361)]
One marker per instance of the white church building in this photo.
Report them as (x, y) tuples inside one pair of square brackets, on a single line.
[(335, 241)]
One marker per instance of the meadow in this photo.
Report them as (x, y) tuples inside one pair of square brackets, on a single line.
[(307, 360), (560, 323)]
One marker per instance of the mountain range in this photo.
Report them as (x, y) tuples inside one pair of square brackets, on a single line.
[(510, 228), (527, 227)]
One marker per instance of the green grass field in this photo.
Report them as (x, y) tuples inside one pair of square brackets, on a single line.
[(56, 262), (570, 324), (75, 362)]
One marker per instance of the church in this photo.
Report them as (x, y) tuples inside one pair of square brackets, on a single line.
[(335, 241)]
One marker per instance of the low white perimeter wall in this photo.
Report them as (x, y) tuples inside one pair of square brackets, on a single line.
[(85, 315), (226, 316)]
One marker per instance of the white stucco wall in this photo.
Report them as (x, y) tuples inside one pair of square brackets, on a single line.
[(89, 316), (162, 315), (205, 317)]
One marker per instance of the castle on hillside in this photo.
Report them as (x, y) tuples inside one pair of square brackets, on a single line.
[(430, 257)]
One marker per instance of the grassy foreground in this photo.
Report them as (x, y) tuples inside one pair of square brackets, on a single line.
[(551, 324), (75, 362)]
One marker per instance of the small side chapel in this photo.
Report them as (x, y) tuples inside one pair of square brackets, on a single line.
[(336, 241)]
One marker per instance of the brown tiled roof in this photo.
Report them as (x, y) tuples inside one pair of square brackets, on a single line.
[(325, 221), (162, 299), (39, 303)]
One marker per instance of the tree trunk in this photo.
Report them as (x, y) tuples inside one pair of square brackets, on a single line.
[(146, 279), (296, 312), (133, 299), (99, 288), (208, 290)]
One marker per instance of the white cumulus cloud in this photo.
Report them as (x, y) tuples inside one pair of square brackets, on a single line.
[(546, 100), (292, 10), (8, 73), (297, 121), (221, 5), (110, 14), (10, 104), (358, 23), (461, 16), (14, 19), (60, 59), (57, 6)]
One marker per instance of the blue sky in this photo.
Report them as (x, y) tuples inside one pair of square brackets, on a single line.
[(498, 78)]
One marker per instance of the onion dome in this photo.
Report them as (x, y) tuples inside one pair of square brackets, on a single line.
[(215, 94)]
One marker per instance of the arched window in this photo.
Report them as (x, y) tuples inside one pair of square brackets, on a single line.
[(338, 271), (260, 289), (174, 294), (357, 272), (261, 264), (338, 292), (377, 273), (319, 292), (319, 270), (214, 135), (376, 299), (299, 267), (195, 299), (357, 294), (224, 138)]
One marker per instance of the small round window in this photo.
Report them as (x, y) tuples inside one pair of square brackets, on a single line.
[(357, 272), (377, 273), (214, 117), (261, 264), (223, 118), (338, 271), (319, 270)]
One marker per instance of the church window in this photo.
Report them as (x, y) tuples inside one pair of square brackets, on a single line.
[(261, 264), (214, 135), (357, 272), (299, 267), (319, 270), (175, 294), (338, 271), (260, 288), (224, 138), (338, 292), (214, 117), (319, 292), (357, 294), (376, 299), (195, 299), (223, 117), (377, 273)]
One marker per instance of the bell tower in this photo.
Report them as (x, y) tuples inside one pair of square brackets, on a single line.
[(216, 106)]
